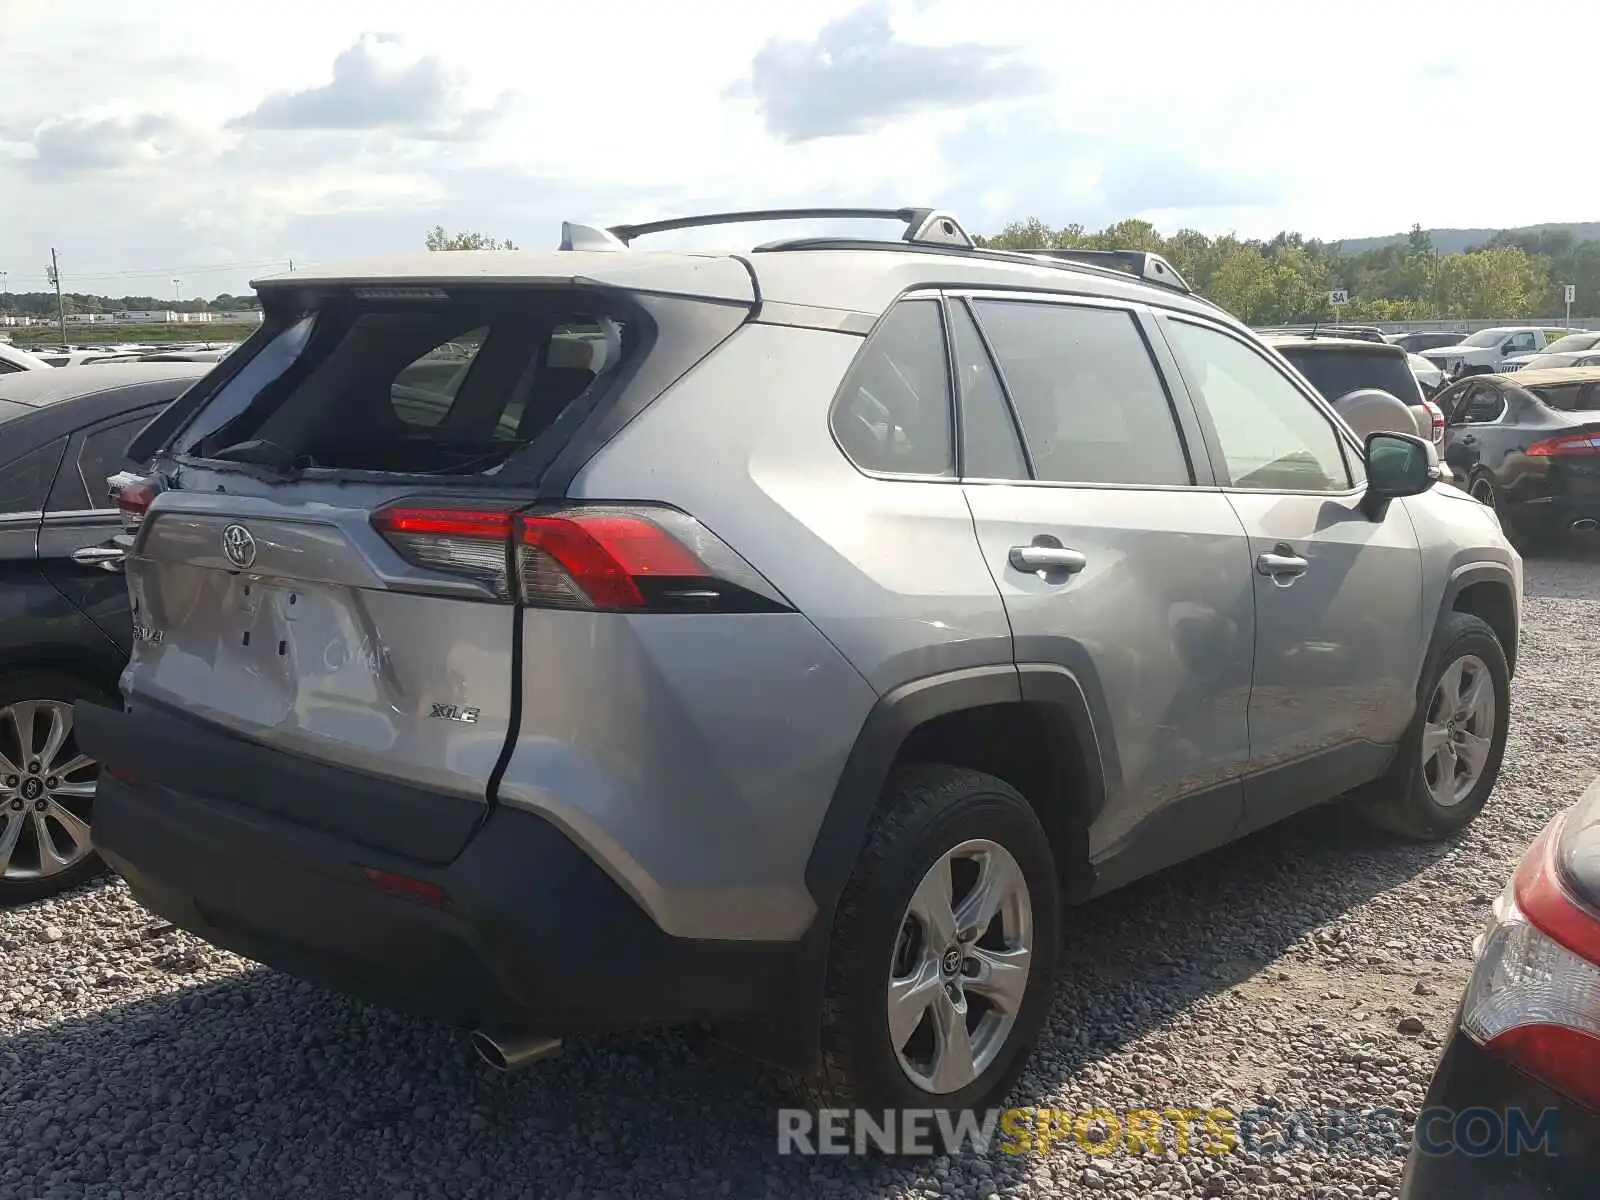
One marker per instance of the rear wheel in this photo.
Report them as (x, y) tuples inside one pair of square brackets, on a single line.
[(46, 786), (944, 948), (1450, 757), (1484, 490)]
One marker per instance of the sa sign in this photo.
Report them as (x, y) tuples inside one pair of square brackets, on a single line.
[(1339, 298), (1572, 294)]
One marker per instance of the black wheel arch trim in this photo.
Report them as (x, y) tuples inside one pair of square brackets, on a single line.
[(902, 709), (1464, 576), (793, 1038)]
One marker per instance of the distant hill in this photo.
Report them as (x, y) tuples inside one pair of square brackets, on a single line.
[(1459, 241)]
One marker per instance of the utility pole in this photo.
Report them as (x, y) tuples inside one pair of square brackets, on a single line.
[(61, 305)]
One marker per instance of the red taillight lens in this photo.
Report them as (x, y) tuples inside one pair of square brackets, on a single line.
[(133, 494), (600, 560), (637, 559), (474, 542), (1565, 446), (1534, 997), (1435, 421)]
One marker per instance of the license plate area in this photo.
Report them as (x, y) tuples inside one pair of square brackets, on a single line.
[(268, 610)]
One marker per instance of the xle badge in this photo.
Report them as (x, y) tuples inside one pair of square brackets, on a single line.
[(449, 712)]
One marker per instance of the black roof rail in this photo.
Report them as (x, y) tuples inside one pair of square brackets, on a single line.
[(924, 226), (1112, 265), (1141, 264)]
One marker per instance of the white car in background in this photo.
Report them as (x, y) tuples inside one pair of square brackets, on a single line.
[(1429, 377), (1574, 350), (12, 358), (1490, 350)]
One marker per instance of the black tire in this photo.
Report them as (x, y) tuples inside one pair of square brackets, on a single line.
[(47, 685), (1400, 802), (926, 811)]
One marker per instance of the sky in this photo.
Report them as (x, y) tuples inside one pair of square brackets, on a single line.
[(209, 143)]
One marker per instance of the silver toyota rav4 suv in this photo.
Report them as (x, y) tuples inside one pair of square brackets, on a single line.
[(552, 642)]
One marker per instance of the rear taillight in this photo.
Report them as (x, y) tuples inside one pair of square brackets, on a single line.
[(1435, 421), (1534, 997), (133, 495), (639, 558), (1565, 446), (471, 542)]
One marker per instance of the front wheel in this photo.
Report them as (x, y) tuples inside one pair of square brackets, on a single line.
[(1450, 758), (46, 786), (944, 948)]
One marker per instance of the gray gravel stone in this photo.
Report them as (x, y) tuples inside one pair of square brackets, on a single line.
[(135, 1061)]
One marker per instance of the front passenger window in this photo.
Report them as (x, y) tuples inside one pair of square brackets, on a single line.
[(1272, 436)]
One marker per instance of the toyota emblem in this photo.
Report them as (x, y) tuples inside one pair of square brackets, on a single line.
[(239, 546)]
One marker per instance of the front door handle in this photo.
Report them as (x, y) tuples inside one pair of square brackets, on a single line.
[(107, 558), (1046, 560), (1282, 566)]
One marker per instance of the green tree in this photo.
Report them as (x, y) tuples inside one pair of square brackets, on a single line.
[(438, 239)]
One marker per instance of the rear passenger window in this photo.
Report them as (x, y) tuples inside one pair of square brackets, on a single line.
[(893, 412), (989, 445), (98, 453), (24, 481), (1092, 406)]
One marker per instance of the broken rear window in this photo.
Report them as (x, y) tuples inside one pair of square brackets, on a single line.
[(444, 386)]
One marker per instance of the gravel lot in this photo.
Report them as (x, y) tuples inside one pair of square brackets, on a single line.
[(136, 1062)]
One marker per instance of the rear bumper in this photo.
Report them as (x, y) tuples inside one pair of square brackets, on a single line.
[(528, 934), (1555, 515), (1479, 1135)]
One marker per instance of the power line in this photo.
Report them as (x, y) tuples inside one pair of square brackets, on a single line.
[(143, 273)]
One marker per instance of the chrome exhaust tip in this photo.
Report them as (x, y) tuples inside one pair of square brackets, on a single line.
[(1585, 525), (512, 1052)]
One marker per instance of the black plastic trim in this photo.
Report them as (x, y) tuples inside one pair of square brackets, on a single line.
[(159, 747), (1464, 577), (500, 950)]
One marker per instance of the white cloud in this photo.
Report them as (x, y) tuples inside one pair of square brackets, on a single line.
[(150, 142)]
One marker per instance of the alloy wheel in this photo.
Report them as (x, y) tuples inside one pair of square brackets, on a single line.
[(1458, 730), (960, 966), (46, 790)]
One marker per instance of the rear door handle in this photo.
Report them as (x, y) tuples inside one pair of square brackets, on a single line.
[(107, 558), (1283, 569), (1047, 559)]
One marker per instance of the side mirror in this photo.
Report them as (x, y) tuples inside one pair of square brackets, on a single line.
[(1398, 465)]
